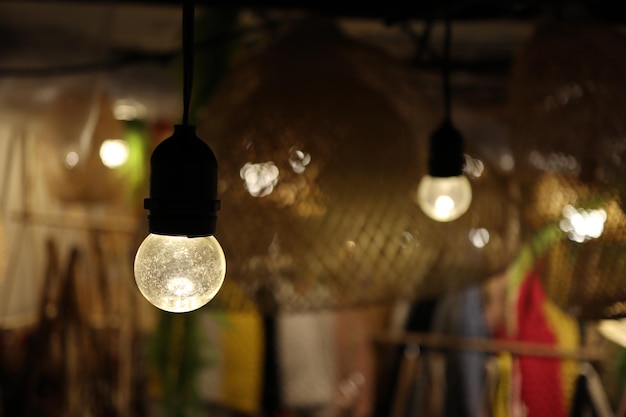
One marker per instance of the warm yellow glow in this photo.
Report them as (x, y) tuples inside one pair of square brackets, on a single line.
[(178, 273), (443, 206), (114, 152), (582, 225), (181, 287), (444, 199)]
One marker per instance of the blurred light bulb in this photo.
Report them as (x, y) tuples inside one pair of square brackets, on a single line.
[(114, 152), (479, 237), (444, 198), (129, 109), (582, 225), (71, 159), (259, 179), (179, 273)]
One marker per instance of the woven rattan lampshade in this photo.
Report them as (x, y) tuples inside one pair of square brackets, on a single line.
[(321, 143), (3, 251), (568, 133), (70, 132)]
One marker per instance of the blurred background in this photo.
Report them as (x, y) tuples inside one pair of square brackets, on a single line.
[(341, 297)]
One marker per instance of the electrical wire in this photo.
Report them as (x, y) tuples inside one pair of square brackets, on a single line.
[(447, 95), (188, 52), (421, 42)]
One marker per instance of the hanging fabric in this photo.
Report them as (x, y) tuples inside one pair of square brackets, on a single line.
[(306, 360), (545, 382), (461, 314), (428, 395), (489, 404), (241, 362), (567, 335), (356, 360), (541, 378), (506, 401), (590, 399)]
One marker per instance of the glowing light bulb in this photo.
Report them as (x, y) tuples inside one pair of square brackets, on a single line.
[(443, 205), (444, 198), (179, 273), (114, 152)]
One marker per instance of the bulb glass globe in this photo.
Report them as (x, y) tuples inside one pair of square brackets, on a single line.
[(444, 198), (179, 273)]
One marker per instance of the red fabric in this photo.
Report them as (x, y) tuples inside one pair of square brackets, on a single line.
[(542, 391)]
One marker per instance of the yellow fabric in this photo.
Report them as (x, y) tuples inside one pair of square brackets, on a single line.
[(565, 330), (242, 362), (515, 275), (502, 398)]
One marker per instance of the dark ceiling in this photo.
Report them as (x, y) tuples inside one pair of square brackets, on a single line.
[(52, 38), (392, 11)]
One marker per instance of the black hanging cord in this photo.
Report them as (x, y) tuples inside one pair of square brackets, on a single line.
[(446, 158), (420, 41), (446, 68), (188, 50)]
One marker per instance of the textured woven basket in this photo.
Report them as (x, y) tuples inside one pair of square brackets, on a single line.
[(568, 134), (331, 137)]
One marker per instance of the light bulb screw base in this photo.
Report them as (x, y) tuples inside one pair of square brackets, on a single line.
[(182, 218)]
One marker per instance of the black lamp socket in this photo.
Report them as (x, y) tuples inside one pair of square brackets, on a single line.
[(183, 186), (446, 157)]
